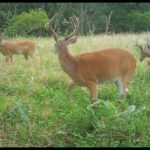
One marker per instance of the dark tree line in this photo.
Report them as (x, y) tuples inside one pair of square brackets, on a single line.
[(94, 17)]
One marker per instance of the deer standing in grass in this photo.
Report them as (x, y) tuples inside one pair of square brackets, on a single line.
[(144, 51), (89, 69), (17, 47)]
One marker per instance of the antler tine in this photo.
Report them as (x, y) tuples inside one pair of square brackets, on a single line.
[(75, 24), (50, 23)]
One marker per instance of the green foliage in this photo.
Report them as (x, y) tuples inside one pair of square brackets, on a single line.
[(26, 23), (3, 104), (29, 18), (139, 21)]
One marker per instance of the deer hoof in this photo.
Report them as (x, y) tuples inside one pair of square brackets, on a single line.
[(95, 103)]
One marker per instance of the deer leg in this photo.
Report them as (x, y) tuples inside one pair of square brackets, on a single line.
[(11, 58), (7, 59), (93, 93), (93, 90), (26, 56), (120, 86), (125, 81), (70, 88)]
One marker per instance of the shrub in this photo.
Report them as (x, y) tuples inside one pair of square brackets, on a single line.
[(27, 22)]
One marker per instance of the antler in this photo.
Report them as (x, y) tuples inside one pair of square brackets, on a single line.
[(75, 24), (50, 28)]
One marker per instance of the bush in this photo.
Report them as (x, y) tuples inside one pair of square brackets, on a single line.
[(25, 23)]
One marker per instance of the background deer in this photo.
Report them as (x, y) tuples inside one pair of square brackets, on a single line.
[(89, 69), (144, 51), (16, 47)]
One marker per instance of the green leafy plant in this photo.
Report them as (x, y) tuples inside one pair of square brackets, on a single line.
[(27, 22)]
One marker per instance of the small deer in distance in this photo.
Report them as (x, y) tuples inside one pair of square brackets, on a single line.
[(144, 51), (16, 47), (89, 69)]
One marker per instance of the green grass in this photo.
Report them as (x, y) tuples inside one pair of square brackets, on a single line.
[(35, 111)]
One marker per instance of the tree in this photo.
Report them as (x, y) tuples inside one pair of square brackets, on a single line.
[(25, 23)]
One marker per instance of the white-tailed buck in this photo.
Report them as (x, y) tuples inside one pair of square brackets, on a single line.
[(16, 47), (89, 69), (144, 51)]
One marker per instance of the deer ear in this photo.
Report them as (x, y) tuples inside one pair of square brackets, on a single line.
[(71, 40)]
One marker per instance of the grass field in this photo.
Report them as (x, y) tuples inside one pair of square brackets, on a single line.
[(35, 111)]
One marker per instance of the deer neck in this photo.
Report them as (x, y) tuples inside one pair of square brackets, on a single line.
[(147, 52), (67, 61)]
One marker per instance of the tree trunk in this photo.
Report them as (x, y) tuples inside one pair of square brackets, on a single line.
[(108, 22), (81, 18)]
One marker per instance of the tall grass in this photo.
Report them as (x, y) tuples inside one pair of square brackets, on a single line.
[(35, 111)]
